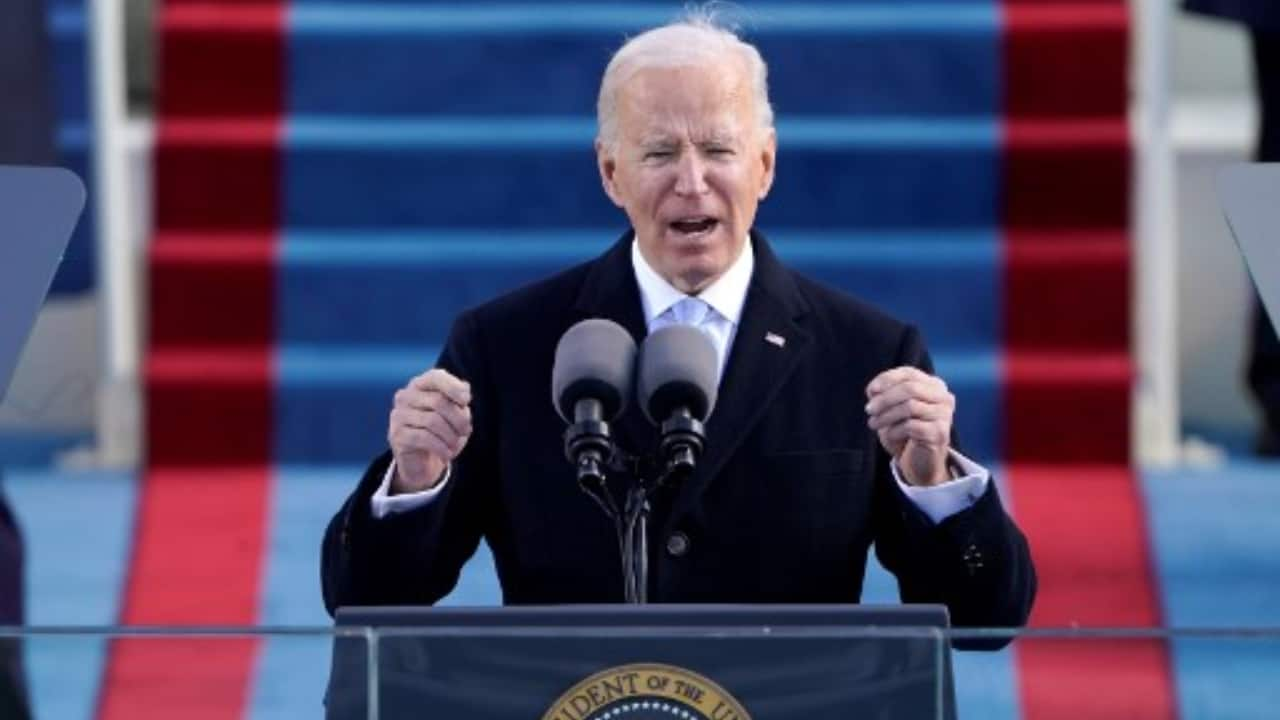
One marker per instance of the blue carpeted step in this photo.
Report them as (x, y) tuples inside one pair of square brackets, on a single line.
[(341, 289), (331, 404), (76, 272), (69, 45), (472, 172), (1214, 534), (415, 59), (77, 530)]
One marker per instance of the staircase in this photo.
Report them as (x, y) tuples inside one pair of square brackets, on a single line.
[(335, 182)]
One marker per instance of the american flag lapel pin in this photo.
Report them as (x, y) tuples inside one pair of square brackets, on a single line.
[(775, 338)]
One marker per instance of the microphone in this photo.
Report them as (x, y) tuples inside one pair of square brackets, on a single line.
[(591, 382), (676, 387)]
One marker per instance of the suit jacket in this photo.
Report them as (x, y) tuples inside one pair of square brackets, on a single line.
[(790, 493)]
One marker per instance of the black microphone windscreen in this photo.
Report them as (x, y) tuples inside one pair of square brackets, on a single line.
[(678, 367), (594, 359)]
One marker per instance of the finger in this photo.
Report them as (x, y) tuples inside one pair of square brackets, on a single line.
[(892, 377), (908, 409), (928, 390), (459, 391), (411, 439), (409, 417), (435, 422), (910, 391), (932, 434), (459, 419), (896, 376), (424, 400)]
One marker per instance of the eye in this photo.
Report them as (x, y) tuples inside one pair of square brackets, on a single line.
[(719, 151), (657, 154)]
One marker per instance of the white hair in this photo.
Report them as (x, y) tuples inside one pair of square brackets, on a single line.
[(696, 38)]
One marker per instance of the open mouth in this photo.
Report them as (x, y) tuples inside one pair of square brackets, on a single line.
[(696, 225)]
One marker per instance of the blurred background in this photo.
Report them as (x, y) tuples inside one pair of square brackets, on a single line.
[(289, 202)]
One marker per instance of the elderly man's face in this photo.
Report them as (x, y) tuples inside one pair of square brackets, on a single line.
[(689, 167)]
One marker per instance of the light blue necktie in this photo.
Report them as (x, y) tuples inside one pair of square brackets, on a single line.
[(697, 313)]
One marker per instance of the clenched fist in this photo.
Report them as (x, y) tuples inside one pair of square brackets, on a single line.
[(911, 412), (430, 424)]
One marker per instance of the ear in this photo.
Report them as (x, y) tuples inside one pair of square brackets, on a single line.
[(608, 166), (768, 156)]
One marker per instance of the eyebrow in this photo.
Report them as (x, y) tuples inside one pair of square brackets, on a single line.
[(719, 138), (715, 138), (658, 141)]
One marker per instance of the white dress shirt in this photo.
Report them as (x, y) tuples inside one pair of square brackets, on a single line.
[(718, 314)]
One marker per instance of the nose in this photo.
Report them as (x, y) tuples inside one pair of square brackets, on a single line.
[(691, 175)]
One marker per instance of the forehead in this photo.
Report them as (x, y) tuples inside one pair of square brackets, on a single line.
[(710, 98)]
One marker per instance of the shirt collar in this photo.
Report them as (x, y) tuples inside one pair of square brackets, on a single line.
[(726, 295)]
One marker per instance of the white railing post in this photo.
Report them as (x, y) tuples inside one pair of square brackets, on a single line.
[(117, 413), (1156, 420)]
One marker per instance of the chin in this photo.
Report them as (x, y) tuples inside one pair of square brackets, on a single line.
[(694, 278), (692, 263)]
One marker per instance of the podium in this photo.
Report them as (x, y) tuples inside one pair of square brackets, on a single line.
[(668, 662)]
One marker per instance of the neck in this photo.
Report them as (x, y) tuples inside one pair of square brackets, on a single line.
[(693, 283)]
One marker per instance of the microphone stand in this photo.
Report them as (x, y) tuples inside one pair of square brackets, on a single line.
[(633, 531), (632, 525), (635, 549), (597, 453)]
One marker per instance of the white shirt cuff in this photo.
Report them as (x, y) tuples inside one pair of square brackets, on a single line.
[(940, 502), (384, 503)]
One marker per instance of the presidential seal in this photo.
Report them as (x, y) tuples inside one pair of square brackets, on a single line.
[(646, 692)]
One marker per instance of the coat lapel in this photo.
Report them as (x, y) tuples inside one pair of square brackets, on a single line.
[(766, 349)]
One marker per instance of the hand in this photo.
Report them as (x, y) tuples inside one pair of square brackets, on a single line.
[(430, 424), (911, 412)]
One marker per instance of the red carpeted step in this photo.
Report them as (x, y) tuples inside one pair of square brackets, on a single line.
[(221, 58), (209, 408), (1065, 211), (1067, 407), (218, 175), (213, 290), (1088, 535), (209, 364), (1066, 173), (1072, 290), (197, 556), (1066, 59)]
